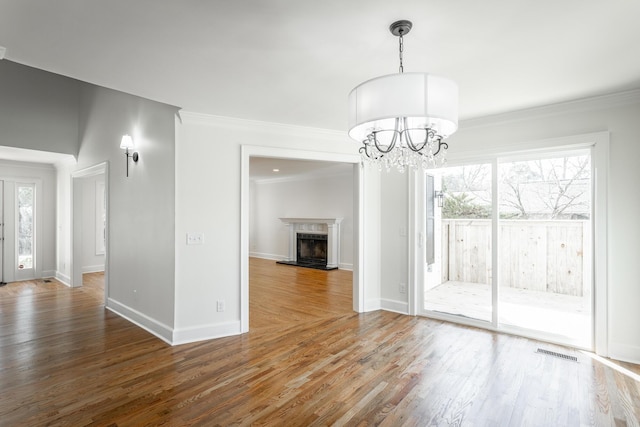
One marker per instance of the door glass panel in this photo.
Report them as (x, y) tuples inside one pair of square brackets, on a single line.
[(459, 281), (544, 246), (26, 193)]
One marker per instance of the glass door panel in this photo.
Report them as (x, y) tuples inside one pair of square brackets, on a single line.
[(26, 199), (458, 281), (544, 246)]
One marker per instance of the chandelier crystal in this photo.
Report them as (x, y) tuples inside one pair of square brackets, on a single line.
[(403, 119)]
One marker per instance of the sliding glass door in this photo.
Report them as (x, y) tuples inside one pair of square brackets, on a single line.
[(513, 245), (458, 280), (545, 245)]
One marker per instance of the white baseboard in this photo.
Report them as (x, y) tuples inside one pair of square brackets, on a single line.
[(63, 278), (624, 352), (48, 273), (159, 329), (372, 305), (273, 257), (205, 332), (92, 268), (395, 306)]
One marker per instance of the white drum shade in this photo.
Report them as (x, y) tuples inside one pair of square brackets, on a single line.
[(126, 142), (424, 99)]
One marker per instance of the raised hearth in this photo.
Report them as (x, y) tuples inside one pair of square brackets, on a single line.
[(313, 242)]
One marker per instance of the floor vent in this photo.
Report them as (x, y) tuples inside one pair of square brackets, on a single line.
[(560, 355)]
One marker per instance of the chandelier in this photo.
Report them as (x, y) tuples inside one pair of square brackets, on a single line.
[(403, 119)]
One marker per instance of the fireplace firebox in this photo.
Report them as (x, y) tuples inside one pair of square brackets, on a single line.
[(312, 249)]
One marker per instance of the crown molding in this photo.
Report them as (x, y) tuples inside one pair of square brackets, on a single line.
[(583, 105), (188, 117), (27, 165)]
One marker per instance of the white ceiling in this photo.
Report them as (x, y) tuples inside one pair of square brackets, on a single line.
[(296, 61), (262, 169), (34, 156)]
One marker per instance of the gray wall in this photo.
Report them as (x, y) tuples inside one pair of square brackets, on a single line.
[(38, 110), (141, 207), (44, 111)]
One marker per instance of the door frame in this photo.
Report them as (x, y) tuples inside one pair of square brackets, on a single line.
[(598, 143), (249, 151), (10, 267)]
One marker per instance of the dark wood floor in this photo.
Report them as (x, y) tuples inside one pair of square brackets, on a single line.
[(308, 360)]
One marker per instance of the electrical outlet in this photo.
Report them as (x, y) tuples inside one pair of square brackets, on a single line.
[(403, 288), (220, 305), (195, 238)]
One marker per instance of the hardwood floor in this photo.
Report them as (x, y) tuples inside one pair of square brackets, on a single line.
[(308, 360)]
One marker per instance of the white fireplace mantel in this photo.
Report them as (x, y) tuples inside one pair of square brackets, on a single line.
[(326, 221), (328, 226)]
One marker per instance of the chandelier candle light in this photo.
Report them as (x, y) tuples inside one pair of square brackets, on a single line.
[(403, 119)]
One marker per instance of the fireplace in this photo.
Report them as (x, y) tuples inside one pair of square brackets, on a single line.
[(312, 249), (313, 242)]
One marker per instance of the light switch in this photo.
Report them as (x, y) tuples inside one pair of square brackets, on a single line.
[(195, 238)]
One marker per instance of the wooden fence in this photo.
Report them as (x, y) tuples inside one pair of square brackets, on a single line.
[(537, 255)]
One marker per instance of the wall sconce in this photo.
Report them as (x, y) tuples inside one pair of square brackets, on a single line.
[(439, 195), (127, 144)]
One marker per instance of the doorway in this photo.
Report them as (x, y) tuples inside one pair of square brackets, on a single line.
[(358, 196), (90, 224), (284, 188), (22, 228)]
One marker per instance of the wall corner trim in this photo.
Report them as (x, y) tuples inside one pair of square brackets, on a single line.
[(205, 332), (372, 305), (63, 278)]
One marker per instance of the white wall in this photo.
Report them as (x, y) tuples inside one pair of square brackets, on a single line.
[(92, 261), (208, 201), (310, 197), (10, 172), (394, 247), (617, 114)]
